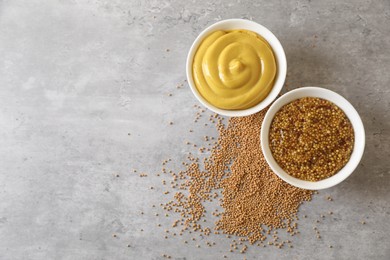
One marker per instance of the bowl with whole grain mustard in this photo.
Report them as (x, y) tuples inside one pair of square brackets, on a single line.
[(236, 67), (312, 138)]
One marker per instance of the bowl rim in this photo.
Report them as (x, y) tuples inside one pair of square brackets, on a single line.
[(277, 48), (343, 104)]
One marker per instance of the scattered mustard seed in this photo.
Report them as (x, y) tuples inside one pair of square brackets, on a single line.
[(235, 160)]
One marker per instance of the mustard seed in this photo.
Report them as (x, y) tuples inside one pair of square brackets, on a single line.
[(311, 138), (235, 166)]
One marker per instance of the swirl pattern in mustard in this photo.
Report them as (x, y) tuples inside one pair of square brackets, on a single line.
[(234, 70)]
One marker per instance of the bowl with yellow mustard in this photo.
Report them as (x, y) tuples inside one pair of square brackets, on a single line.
[(236, 67)]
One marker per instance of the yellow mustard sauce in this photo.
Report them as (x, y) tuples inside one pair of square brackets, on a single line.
[(234, 69)]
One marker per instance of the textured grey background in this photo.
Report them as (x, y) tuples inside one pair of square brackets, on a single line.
[(77, 76)]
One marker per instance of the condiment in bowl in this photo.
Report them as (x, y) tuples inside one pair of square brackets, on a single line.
[(312, 138), (236, 67)]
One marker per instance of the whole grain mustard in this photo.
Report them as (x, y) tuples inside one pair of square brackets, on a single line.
[(234, 69), (311, 138)]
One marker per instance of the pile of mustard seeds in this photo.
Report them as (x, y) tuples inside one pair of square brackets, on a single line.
[(254, 200), (311, 138)]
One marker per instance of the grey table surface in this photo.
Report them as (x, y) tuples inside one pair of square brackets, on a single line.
[(76, 77)]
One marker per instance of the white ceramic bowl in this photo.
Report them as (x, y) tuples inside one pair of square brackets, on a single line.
[(348, 109), (232, 24)]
